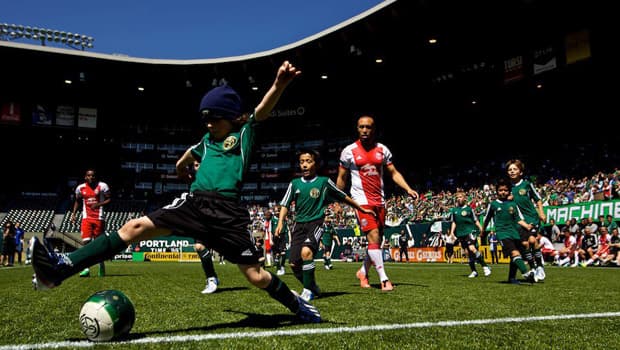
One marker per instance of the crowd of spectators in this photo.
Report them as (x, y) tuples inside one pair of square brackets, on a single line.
[(435, 205)]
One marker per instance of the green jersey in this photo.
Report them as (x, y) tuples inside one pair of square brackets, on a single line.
[(223, 163), (465, 220), (311, 197), (273, 223), (523, 193), (506, 216), (328, 235)]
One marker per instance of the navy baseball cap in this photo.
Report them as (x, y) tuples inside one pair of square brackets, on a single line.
[(220, 102)]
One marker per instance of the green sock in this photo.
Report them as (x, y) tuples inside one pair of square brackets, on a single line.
[(480, 259), (278, 290), (308, 274), (520, 264), (102, 248), (329, 261)]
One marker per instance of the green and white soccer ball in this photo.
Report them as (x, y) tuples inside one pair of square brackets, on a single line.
[(107, 315)]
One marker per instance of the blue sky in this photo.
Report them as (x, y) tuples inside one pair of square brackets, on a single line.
[(170, 29)]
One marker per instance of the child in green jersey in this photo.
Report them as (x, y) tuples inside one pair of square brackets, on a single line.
[(211, 211), (507, 218), (530, 203), (311, 194), (464, 225)]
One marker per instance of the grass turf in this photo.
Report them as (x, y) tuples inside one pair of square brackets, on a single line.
[(169, 304)]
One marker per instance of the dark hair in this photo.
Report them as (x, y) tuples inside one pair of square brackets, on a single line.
[(314, 153), (502, 181)]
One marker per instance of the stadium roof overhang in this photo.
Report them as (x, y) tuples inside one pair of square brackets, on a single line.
[(475, 38)]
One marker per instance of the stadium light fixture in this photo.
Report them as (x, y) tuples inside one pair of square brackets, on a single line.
[(76, 41)]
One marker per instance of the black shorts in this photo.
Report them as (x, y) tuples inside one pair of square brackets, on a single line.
[(279, 244), (466, 241), (218, 222), (525, 234), (305, 234), (449, 248), (327, 248), (510, 244)]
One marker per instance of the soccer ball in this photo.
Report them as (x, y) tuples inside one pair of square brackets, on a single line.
[(107, 315)]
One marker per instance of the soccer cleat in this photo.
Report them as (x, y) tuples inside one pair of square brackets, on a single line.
[(326, 267), (50, 269), (307, 295), (514, 281), (540, 273), (363, 279), (386, 286), (211, 286), (307, 312), (473, 274), (281, 271), (531, 276), (85, 272), (487, 271)]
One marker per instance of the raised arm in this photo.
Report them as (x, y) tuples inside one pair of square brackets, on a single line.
[(286, 73)]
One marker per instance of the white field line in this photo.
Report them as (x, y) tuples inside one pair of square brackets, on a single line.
[(308, 331)]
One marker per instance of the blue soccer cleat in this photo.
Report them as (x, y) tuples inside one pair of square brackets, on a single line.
[(50, 269)]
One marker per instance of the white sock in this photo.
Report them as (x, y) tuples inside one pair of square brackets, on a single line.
[(377, 257), (365, 264)]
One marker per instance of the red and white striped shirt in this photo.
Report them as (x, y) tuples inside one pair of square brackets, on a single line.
[(366, 169), (90, 196)]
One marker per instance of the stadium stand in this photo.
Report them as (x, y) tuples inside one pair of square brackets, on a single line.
[(35, 211), (117, 213)]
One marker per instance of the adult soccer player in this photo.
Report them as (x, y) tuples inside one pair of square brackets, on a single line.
[(364, 160)]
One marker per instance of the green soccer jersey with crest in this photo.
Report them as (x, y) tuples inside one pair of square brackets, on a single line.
[(465, 220), (311, 197), (223, 163), (506, 215), (523, 193)]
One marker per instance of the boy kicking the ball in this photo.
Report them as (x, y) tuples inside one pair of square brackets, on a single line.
[(211, 210)]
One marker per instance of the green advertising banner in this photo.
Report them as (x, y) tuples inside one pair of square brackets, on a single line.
[(562, 214)]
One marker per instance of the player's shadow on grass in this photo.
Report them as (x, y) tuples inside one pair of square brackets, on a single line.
[(251, 320), (230, 289), (120, 274)]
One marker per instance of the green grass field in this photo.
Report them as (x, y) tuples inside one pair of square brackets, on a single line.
[(172, 314)]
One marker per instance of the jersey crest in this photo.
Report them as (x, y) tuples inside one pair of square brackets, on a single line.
[(314, 192), (229, 143)]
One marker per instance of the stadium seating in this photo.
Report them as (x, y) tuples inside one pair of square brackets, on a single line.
[(35, 212)]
